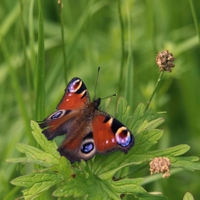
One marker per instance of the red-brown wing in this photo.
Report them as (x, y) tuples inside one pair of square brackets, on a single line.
[(58, 123), (81, 146), (76, 97), (109, 134)]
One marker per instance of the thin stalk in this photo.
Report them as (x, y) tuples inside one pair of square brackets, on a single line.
[(63, 40), (196, 23), (129, 87), (156, 87), (122, 48), (40, 70), (32, 39), (26, 61)]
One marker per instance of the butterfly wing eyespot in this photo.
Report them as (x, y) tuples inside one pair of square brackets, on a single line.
[(123, 137), (58, 114), (76, 96), (110, 134), (78, 149), (74, 85), (87, 146), (87, 149)]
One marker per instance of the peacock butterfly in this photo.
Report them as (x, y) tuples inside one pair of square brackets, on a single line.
[(88, 130)]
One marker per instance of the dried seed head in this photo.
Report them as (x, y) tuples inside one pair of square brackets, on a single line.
[(164, 60), (160, 165)]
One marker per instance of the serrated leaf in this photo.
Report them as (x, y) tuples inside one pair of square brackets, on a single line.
[(122, 110), (76, 187), (154, 123), (98, 189), (189, 163), (40, 157), (47, 146), (141, 115), (145, 140), (24, 160), (37, 182), (63, 167), (108, 172), (173, 151)]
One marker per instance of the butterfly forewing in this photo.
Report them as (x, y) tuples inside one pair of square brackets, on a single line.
[(74, 99), (76, 96)]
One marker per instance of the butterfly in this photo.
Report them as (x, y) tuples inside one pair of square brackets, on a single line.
[(88, 130)]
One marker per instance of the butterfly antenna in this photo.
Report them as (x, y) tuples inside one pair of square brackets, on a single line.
[(113, 95), (95, 87)]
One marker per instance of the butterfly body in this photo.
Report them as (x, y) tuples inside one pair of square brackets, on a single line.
[(88, 130)]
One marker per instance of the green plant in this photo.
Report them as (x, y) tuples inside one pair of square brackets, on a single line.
[(102, 177)]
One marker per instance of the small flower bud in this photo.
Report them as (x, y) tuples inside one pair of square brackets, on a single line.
[(164, 60), (160, 165)]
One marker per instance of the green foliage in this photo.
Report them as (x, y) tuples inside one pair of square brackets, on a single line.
[(122, 37), (188, 196), (96, 178)]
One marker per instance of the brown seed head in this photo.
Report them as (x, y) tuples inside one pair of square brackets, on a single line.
[(160, 165), (165, 60)]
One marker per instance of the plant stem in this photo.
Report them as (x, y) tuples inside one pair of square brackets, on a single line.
[(40, 70), (60, 3), (158, 81), (194, 15), (121, 75)]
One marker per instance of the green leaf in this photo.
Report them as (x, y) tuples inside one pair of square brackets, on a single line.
[(188, 163), (122, 109), (173, 151), (141, 116), (115, 162), (151, 196), (37, 182), (46, 158), (28, 160), (98, 189), (48, 146), (38, 156), (188, 196), (146, 139)]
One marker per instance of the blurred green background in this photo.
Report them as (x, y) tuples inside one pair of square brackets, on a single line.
[(93, 37)]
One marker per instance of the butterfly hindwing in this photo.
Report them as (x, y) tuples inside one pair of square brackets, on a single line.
[(79, 148), (110, 134)]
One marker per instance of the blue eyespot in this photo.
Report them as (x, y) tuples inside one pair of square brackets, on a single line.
[(74, 85), (87, 147), (123, 137), (57, 114)]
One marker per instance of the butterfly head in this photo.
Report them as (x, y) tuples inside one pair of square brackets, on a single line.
[(96, 103)]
